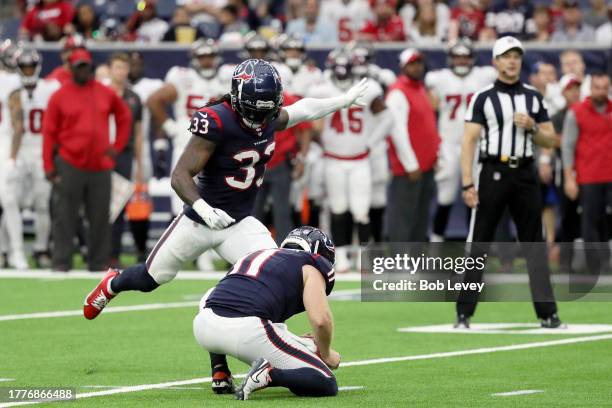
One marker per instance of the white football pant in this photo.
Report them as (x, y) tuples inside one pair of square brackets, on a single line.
[(448, 173), (251, 338), (349, 187), (184, 240)]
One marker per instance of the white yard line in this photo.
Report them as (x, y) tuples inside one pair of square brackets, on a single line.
[(6, 379), (485, 350), (351, 388), (110, 309), (183, 275), (338, 295), (513, 393)]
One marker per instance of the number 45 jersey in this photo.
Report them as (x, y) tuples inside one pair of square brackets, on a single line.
[(346, 132), (232, 176), (454, 93)]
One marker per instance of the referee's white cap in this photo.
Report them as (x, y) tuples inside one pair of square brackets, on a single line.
[(506, 44)]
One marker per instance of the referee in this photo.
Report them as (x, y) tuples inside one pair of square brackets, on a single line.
[(508, 117)]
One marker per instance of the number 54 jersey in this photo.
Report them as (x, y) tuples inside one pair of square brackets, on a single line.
[(232, 176), (454, 93)]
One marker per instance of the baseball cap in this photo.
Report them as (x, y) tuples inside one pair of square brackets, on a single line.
[(568, 80), (409, 55), (506, 44), (80, 56)]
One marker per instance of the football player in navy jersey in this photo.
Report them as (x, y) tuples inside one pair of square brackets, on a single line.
[(244, 316), (232, 140)]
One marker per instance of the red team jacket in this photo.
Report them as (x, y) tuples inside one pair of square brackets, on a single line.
[(422, 127), (76, 126), (594, 146)]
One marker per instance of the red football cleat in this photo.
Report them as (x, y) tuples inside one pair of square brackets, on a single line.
[(99, 297)]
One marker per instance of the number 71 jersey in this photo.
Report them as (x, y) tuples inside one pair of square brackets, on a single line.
[(232, 176), (454, 94)]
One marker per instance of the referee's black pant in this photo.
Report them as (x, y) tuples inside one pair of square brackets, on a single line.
[(501, 186)]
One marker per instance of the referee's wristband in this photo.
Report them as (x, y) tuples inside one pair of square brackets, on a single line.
[(466, 188)]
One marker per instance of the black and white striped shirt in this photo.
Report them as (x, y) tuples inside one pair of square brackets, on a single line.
[(494, 106)]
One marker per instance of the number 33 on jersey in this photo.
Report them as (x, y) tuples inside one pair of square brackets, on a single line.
[(238, 163)]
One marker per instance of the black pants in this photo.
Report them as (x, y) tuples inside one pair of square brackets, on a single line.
[(75, 188), (408, 208), (595, 199), (278, 185), (517, 189)]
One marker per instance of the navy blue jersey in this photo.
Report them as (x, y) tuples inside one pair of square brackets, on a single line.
[(231, 178), (267, 284)]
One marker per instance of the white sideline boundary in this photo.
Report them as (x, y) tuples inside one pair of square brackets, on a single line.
[(484, 350)]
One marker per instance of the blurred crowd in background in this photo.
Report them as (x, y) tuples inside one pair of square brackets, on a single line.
[(419, 22)]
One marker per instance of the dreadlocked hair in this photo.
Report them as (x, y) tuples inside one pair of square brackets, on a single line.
[(214, 101)]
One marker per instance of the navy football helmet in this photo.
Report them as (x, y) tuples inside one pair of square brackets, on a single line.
[(312, 240), (257, 92)]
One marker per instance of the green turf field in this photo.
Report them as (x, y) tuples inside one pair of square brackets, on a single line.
[(148, 347)]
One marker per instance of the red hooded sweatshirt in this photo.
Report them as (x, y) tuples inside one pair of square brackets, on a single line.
[(76, 126)]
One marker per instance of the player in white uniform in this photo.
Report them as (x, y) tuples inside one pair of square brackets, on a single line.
[(349, 16), (450, 90), (28, 104), (11, 231), (144, 88), (364, 67), (346, 137)]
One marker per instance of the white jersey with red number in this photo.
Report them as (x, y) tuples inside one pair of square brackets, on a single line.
[(193, 92), (454, 94), (8, 83), (348, 16), (303, 79), (34, 103), (346, 132)]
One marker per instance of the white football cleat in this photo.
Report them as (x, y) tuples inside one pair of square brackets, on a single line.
[(256, 379), (18, 261)]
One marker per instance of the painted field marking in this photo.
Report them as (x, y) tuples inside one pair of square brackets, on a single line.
[(351, 388), (340, 295), (182, 275), (110, 309), (511, 328), (513, 393), (483, 350), (6, 379)]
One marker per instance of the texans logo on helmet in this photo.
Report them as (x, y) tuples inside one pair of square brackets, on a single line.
[(245, 71)]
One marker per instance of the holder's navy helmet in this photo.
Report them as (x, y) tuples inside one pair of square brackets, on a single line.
[(313, 240), (257, 92)]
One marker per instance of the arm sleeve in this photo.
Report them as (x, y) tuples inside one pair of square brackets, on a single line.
[(207, 124), (569, 139), (51, 124), (475, 110), (311, 109), (123, 120), (326, 269), (399, 108), (137, 109)]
